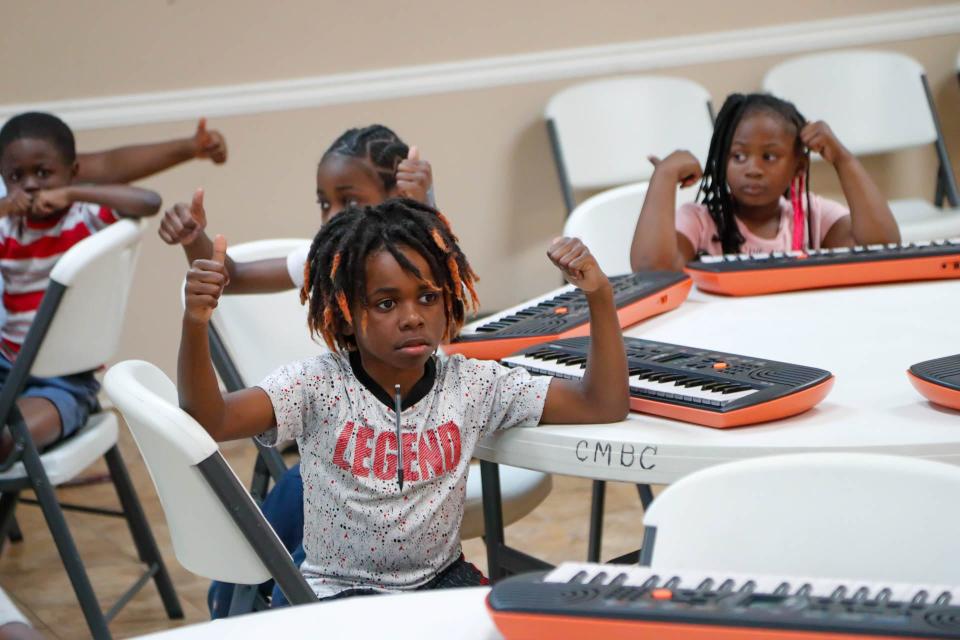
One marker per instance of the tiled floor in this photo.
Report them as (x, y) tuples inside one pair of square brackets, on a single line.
[(33, 575)]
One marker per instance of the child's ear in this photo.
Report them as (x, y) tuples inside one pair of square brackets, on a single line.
[(74, 170)]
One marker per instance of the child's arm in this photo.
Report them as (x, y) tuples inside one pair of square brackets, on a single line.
[(132, 202), (241, 414), (126, 164), (602, 395), (870, 221), (185, 224), (657, 245)]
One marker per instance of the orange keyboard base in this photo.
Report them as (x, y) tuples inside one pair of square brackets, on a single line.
[(760, 281), (661, 302), (784, 407), (936, 393), (530, 626)]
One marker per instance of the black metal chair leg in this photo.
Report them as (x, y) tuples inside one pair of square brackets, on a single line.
[(140, 531), (646, 495), (596, 520), (66, 546), (15, 534), (8, 520)]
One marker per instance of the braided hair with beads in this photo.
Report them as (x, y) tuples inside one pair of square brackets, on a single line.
[(335, 272), (378, 145), (714, 192)]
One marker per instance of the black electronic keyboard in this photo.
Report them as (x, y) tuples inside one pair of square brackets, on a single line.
[(759, 273), (586, 601), (564, 313), (704, 387), (938, 380)]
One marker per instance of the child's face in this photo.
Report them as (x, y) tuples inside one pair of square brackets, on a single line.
[(35, 164), (342, 182), (763, 159), (405, 317)]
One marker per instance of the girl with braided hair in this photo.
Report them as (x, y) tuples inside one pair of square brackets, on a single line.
[(363, 166), (385, 285), (755, 192)]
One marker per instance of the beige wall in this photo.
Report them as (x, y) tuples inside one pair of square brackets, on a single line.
[(102, 47), (493, 171)]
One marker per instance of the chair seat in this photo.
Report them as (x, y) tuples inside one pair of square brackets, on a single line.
[(66, 460), (920, 219), (521, 490)]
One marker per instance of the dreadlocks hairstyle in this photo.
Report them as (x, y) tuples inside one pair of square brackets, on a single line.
[(43, 126), (379, 146), (335, 272), (713, 189)]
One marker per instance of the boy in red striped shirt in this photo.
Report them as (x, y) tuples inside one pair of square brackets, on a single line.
[(43, 214)]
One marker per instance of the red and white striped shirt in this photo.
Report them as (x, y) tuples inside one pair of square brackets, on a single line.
[(28, 251)]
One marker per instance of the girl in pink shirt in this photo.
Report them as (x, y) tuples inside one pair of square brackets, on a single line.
[(754, 193)]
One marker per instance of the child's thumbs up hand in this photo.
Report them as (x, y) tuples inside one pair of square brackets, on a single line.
[(205, 282), (414, 177), (184, 223), (577, 264), (682, 164), (209, 143)]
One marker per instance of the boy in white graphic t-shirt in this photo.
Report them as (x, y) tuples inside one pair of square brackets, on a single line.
[(386, 286)]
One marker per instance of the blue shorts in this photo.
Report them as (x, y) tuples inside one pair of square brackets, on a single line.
[(74, 396)]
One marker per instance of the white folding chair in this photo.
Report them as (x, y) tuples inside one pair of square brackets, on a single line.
[(876, 102), (602, 131), (822, 515), (217, 530), (255, 334), (76, 329), (606, 222)]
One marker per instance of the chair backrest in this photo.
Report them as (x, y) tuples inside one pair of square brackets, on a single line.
[(248, 324), (875, 101), (829, 515), (607, 128), (205, 539), (97, 274), (606, 222)]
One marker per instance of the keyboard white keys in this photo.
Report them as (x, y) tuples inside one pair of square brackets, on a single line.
[(669, 390), (636, 576)]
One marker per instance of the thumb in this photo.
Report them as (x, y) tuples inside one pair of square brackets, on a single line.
[(414, 153), (196, 205), (654, 160), (219, 249), (201, 128)]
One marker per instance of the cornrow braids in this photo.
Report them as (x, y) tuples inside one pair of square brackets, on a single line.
[(335, 272), (714, 192), (378, 145)]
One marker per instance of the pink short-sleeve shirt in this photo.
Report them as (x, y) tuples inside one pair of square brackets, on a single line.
[(694, 221)]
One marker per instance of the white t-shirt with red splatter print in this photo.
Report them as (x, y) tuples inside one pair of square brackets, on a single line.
[(359, 529)]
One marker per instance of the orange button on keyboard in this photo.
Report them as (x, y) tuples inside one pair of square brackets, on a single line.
[(661, 594)]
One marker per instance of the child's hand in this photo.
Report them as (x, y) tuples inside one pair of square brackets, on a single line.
[(16, 203), (818, 136), (414, 177), (209, 144), (184, 223), (205, 282), (682, 164), (578, 265), (51, 201)]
